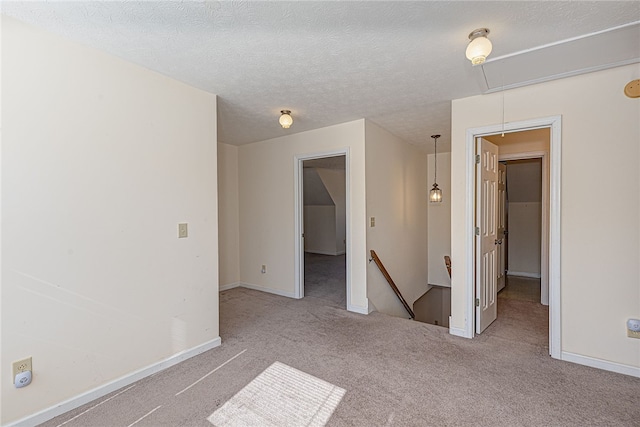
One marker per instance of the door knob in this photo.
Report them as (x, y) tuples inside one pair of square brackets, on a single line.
[(498, 241)]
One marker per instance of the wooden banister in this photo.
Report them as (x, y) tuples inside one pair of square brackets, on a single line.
[(386, 275)]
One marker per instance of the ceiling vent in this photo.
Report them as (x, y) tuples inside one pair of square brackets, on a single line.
[(585, 54)]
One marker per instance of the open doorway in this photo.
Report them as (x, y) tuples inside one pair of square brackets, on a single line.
[(322, 210), (520, 262), (483, 286), (521, 311), (511, 222)]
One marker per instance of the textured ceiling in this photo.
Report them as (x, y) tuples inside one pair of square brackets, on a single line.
[(398, 64)]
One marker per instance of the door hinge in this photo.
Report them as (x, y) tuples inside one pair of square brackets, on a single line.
[(477, 302), (477, 231), (477, 159)]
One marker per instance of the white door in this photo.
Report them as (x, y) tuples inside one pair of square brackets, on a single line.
[(486, 243), (502, 219)]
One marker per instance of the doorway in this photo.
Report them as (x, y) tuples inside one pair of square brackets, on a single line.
[(322, 227), (550, 244), (520, 311), (521, 261), (324, 230)]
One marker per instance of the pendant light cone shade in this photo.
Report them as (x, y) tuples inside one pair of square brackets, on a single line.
[(285, 119), (435, 195), (479, 47)]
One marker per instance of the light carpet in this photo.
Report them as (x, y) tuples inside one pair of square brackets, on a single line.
[(395, 372)]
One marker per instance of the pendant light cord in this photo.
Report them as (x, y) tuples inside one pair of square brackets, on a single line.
[(435, 158)]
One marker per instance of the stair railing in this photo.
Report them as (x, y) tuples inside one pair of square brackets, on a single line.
[(386, 275)]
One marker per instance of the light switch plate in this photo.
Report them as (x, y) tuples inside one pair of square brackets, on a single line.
[(182, 230)]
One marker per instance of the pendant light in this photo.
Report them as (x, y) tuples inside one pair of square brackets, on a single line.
[(435, 195)]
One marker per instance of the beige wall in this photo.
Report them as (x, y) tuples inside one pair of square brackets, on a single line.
[(525, 221), (334, 180), (324, 224), (101, 159), (599, 267), (439, 216), (320, 229), (267, 207), (524, 238), (228, 215), (397, 198)]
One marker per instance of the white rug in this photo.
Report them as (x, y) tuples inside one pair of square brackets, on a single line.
[(280, 396)]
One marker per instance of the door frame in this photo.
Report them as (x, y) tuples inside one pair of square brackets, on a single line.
[(298, 201), (555, 143), (544, 226)]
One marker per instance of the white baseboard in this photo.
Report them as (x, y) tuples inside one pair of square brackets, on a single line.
[(324, 252), (352, 308), (268, 290), (229, 286), (633, 371), (458, 332), (523, 274), (103, 390), (358, 309)]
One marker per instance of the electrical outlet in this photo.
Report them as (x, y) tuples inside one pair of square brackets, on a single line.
[(22, 366), (373, 221), (182, 230), (632, 334), (633, 328)]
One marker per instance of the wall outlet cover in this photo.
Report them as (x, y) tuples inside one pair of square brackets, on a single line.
[(22, 366), (632, 334)]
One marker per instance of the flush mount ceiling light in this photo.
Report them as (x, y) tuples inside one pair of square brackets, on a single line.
[(435, 195), (479, 47), (285, 119)]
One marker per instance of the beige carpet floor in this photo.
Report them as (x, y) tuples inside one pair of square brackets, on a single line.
[(382, 371), (325, 278)]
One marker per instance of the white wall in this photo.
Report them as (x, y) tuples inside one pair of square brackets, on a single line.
[(228, 215), (267, 207), (525, 221), (101, 159), (324, 211), (320, 229), (599, 268), (524, 184), (397, 198), (439, 218), (334, 180)]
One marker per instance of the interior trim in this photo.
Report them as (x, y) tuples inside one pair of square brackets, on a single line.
[(123, 381), (633, 371), (555, 160)]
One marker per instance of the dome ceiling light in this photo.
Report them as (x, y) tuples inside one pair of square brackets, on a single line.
[(285, 119), (479, 47)]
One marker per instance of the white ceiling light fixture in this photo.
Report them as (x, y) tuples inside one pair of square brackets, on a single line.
[(285, 119), (435, 195), (479, 47)]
